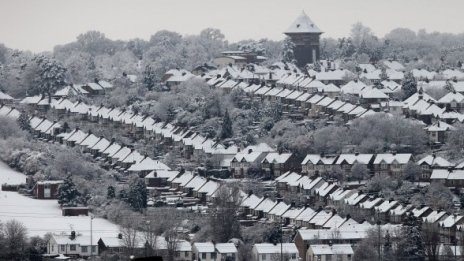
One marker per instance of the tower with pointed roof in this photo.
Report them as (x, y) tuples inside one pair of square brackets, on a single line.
[(305, 35)]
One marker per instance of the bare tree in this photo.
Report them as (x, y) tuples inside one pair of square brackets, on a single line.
[(130, 234), (15, 239), (224, 213), (172, 241), (431, 239)]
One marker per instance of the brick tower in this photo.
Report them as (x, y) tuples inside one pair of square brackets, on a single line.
[(305, 35)]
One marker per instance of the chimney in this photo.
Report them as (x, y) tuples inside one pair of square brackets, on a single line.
[(73, 235), (250, 192), (120, 236), (250, 151)]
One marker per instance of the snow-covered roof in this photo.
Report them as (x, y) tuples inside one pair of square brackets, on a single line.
[(209, 188), (440, 126), (335, 249), (354, 233), (279, 209), (386, 206), (354, 158), (251, 201), (89, 141), (183, 179), (4, 96), (148, 164), (306, 215), (266, 205), (372, 93), (303, 24), (389, 158), (435, 216), (450, 221), (196, 183), (371, 203), (277, 158), (206, 247), (318, 159), (225, 248), (435, 161), (395, 65), (268, 248), (334, 222), (452, 97)]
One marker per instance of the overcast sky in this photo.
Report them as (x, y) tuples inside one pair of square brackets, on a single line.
[(38, 25)]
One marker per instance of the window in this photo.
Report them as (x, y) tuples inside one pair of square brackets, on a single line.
[(293, 256), (328, 257), (213, 255), (263, 256), (72, 247), (84, 249), (94, 249), (203, 255), (339, 258), (62, 247), (53, 248)]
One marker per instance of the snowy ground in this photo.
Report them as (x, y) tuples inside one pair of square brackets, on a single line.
[(10, 176), (42, 216)]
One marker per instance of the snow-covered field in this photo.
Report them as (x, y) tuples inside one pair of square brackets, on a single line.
[(42, 216), (10, 176)]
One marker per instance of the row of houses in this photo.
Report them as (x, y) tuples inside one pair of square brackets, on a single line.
[(109, 152), (391, 164), (78, 245), (354, 203)]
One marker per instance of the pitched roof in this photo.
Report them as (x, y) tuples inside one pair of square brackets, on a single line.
[(435, 161), (389, 158), (336, 249), (303, 24)]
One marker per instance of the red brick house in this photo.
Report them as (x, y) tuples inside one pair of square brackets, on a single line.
[(47, 189)]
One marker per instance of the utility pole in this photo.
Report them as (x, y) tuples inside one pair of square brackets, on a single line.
[(281, 240), (379, 232), (91, 236)]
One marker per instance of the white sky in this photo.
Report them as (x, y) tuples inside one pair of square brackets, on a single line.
[(38, 25)]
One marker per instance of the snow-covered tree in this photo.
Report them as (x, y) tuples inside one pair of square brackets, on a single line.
[(138, 194), (51, 75), (287, 50), (359, 171), (149, 78), (409, 85), (68, 195), (23, 121), (411, 243)]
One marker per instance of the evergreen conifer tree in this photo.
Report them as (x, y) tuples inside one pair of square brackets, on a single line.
[(111, 192), (68, 195), (409, 85), (138, 194), (23, 121), (226, 130)]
